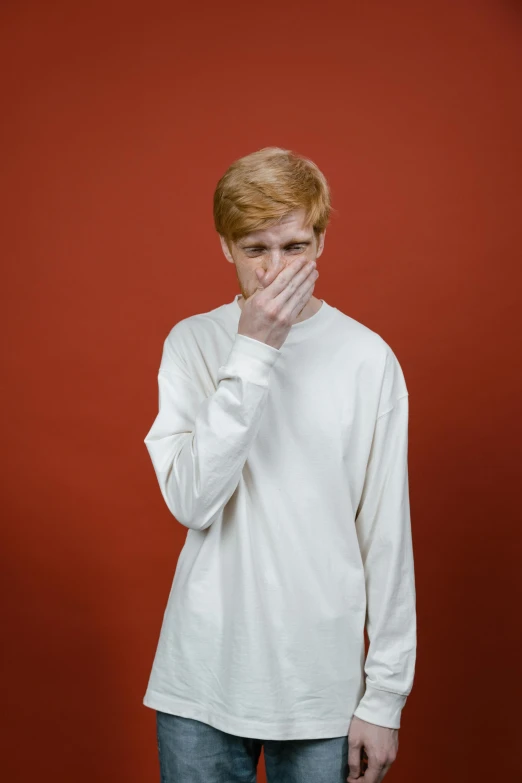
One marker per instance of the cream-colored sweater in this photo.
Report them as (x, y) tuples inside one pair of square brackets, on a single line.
[(289, 468)]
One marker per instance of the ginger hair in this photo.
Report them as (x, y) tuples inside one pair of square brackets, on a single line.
[(259, 189)]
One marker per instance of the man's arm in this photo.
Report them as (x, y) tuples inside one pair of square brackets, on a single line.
[(198, 444), (384, 533)]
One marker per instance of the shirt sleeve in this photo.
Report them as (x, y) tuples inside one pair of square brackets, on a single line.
[(199, 444), (385, 539)]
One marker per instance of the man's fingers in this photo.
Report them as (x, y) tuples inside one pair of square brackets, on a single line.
[(354, 761), (374, 773)]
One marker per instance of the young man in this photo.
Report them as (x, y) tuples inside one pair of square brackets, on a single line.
[(281, 444)]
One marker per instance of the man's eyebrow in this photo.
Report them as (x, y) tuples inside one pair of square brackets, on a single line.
[(295, 241)]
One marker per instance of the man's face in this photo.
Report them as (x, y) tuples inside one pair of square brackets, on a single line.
[(272, 248)]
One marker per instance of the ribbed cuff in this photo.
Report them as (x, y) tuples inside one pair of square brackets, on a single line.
[(250, 359), (381, 707)]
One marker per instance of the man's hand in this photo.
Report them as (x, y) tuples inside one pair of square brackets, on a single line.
[(381, 745), (268, 314)]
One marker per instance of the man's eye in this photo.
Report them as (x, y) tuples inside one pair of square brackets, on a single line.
[(290, 247)]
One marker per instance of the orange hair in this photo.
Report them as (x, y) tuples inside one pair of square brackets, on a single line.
[(259, 189)]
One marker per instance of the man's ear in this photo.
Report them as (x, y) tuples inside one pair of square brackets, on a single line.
[(225, 249), (320, 244)]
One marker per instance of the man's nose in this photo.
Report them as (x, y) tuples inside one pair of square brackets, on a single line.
[(275, 260)]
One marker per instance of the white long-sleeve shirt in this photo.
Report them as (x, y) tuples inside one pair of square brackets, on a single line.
[(289, 468)]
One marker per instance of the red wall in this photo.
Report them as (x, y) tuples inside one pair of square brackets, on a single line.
[(118, 120)]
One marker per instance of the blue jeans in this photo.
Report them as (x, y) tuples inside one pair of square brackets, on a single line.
[(194, 752)]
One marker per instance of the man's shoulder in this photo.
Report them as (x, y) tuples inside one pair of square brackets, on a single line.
[(361, 338), (199, 332), (200, 322), (369, 348)]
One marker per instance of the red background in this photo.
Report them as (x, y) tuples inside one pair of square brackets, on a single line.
[(118, 120)]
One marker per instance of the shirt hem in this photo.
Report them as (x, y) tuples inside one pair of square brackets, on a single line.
[(282, 730)]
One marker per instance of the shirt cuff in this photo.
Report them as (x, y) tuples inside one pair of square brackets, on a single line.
[(381, 707), (250, 359)]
